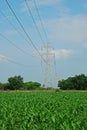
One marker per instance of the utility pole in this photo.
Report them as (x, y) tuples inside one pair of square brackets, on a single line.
[(47, 53)]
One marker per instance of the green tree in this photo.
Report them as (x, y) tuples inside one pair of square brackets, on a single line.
[(81, 82), (78, 82), (15, 82)]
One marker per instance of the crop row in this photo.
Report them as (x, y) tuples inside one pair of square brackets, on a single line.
[(43, 111)]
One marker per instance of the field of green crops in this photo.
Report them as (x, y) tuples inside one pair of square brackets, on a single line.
[(43, 110)]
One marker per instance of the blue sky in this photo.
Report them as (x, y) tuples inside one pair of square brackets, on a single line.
[(65, 22)]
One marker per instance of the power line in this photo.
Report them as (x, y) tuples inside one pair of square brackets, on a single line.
[(12, 43), (17, 32), (23, 28), (11, 23), (17, 63), (4, 58), (41, 20), (14, 27), (29, 10), (37, 3)]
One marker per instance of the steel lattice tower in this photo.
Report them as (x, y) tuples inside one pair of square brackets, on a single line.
[(47, 53)]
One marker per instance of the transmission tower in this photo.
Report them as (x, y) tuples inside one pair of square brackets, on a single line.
[(47, 53)]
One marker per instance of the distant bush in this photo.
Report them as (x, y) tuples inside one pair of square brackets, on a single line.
[(4, 86), (57, 90), (1, 86), (31, 85)]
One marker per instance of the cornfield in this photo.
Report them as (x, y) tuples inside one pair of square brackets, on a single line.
[(43, 111)]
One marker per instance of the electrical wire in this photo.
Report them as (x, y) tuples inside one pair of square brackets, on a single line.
[(17, 63), (4, 58), (29, 40), (12, 43), (41, 20), (35, 3), (24, 30), (14, 27), (30, 12), (17, 32)]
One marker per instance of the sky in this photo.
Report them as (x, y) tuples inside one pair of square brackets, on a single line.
[(64, 28)]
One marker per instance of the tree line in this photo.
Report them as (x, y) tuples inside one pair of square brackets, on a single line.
[(78, 82), (17, 83)]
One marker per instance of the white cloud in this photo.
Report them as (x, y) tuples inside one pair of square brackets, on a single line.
[(62, 53), (40, 3), (24, 7), (3, 58), (10, 32), (48, 2), (68, 29)]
